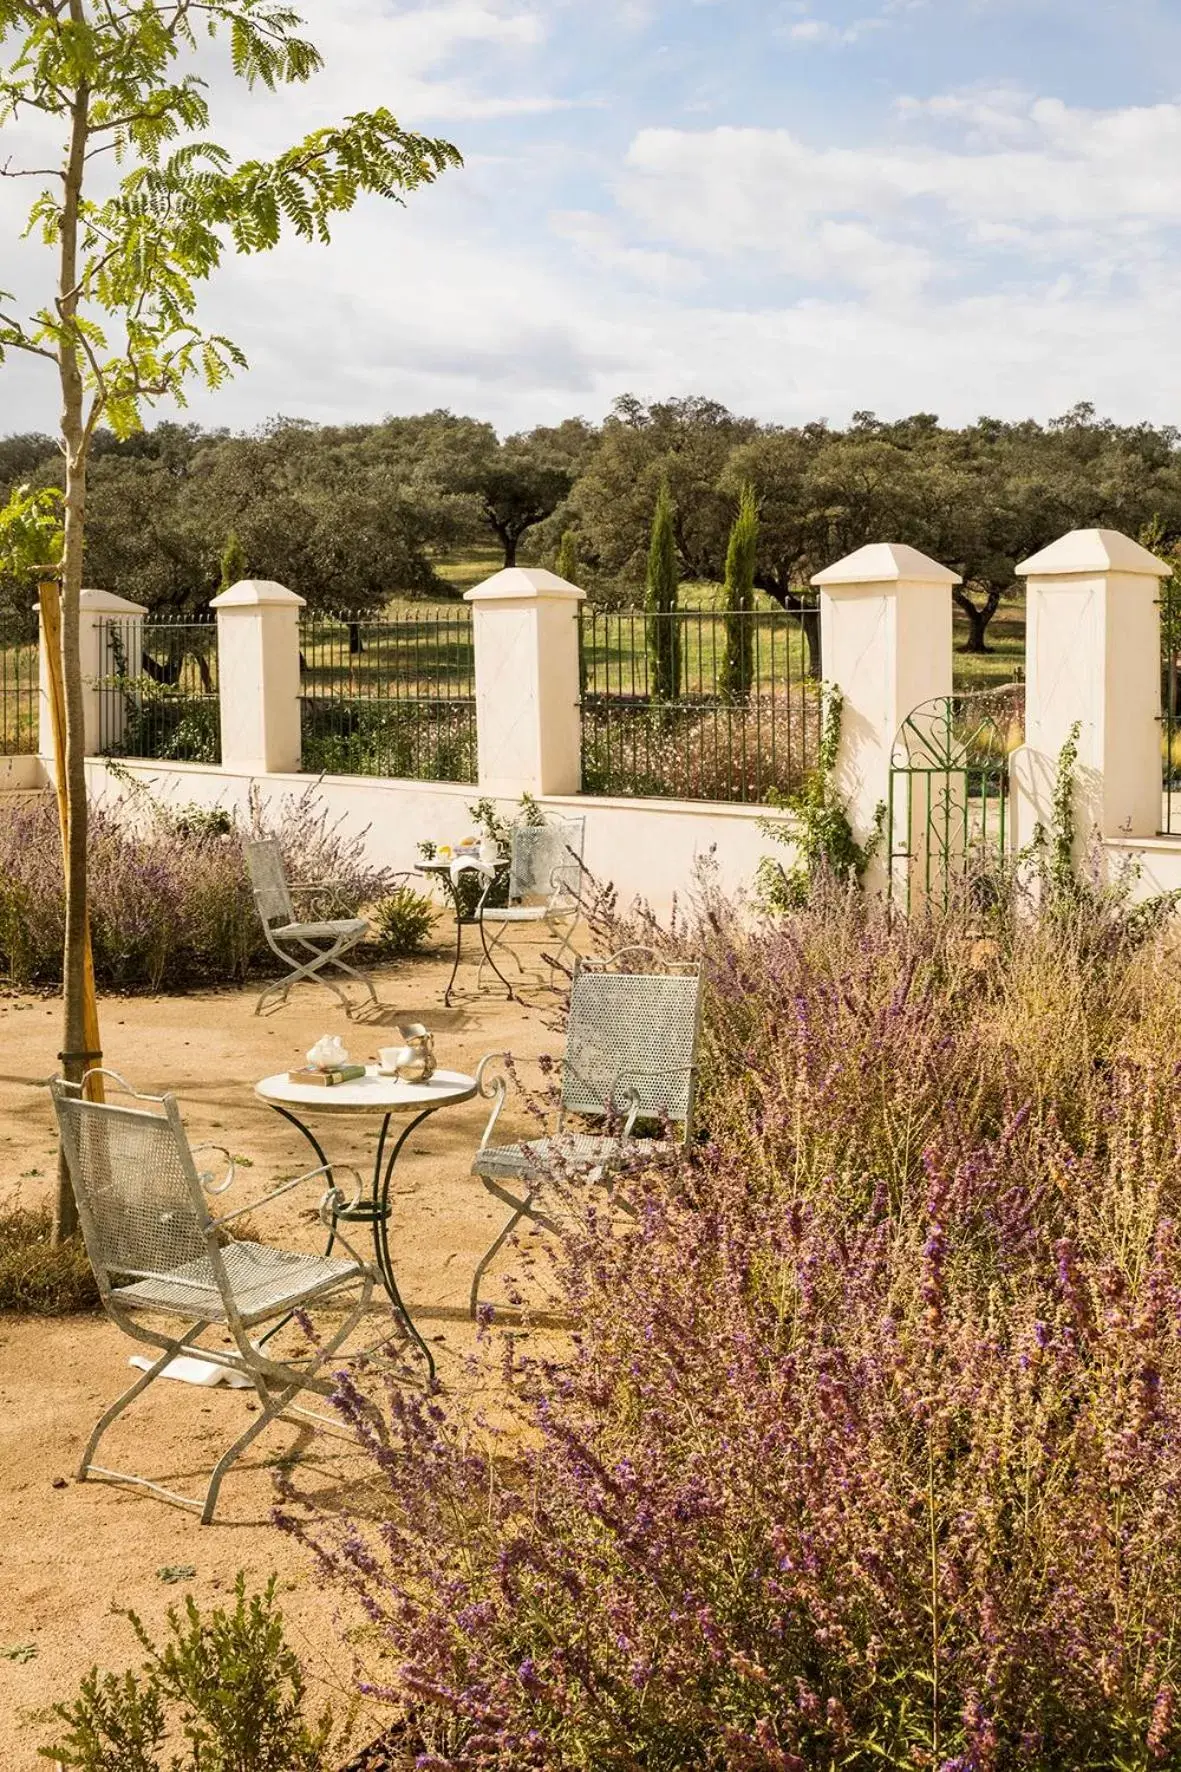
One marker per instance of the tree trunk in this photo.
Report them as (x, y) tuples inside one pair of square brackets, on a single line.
[(80, 1024), (509, 543), (810, 628), (977, 624), (978, 616)]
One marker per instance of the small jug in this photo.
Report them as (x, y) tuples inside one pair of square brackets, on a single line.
[(416, 1058)]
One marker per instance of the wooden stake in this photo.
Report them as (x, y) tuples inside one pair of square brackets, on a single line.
[(51, 640)]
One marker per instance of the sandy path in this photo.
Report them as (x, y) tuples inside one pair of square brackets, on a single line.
[(69, 1552)]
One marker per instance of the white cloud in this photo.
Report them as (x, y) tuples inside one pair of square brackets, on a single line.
[(823, 31), (599, 242), (1031, 181)]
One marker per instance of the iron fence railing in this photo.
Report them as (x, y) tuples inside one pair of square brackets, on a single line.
[(157, 689), (1170, 705), (393, 695), (19, 690), (699, 704)]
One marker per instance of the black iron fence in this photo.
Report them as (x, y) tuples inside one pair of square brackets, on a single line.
[(393, 695), (699, 704), (157, 686), (1170, 634), (19, 680)]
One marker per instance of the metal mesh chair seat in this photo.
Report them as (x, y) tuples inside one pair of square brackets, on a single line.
[(631, 1054), (262, 1281), (544, 886), (281, 926), (323, 931), (539, 1157), (522, 913), (158, 1252)]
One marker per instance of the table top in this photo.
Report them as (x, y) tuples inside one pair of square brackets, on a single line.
[(472, 857), (371, 1094)]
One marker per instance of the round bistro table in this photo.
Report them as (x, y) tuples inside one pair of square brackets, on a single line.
[(441, 871), (372, 1094)]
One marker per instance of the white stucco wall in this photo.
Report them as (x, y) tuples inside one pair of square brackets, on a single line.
[(644, 848)]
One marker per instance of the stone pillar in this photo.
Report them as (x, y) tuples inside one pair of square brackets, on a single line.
[(258, 676), (1092, 655), (885, 625), (110, 638), (528, 727)]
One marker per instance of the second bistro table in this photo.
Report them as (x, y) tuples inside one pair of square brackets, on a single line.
[(372, 1094), (441, 871)]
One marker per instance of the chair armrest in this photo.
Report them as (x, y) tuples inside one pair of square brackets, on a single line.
[(564, 882), (631, 1100), (205, 1176), (331, 1202), (492, 1085)]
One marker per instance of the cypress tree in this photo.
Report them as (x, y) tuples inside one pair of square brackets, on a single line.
[(664, 630), (233, 562), (738, 600), (567, 562)]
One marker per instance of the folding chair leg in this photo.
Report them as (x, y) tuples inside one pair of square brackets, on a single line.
[(273, 1405), (521, 1209), (567, 933), (130, 1394), (492, 1251)]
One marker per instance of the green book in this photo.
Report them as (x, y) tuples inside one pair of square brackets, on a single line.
[(345, 1073)]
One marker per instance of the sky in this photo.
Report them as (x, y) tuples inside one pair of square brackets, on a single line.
[(801, 208)]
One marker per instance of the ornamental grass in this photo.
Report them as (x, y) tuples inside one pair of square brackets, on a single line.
[(866, 1451)]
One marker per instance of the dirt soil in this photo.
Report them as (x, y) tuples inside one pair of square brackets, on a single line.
[(70, 1552)]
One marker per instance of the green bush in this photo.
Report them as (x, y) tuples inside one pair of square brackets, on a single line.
[(36, 1277), (227, 1685), (403, 920)]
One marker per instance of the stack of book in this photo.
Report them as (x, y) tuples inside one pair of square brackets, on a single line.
[(324, 1079)]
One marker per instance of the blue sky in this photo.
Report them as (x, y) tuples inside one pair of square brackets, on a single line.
[(800, 208)]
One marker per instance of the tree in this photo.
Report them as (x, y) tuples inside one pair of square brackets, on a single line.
[(566, 565), (517, 484), (139, 211), (738, 599), (664, 630), (233, 563), (686, 443)]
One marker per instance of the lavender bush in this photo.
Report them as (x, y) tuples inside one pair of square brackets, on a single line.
[(867, 1452), (170, 899)]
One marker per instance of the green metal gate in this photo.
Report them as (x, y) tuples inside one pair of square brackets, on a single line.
[(947, 823)]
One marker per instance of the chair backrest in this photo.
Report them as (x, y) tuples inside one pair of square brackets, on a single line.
[(632, 1036), (546, 859), (264, 858), (140, 1200)]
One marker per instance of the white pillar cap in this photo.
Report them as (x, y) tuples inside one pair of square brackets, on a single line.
[(257, 593), (532, 584), (886, 562), (107, 603), (1088, 551)]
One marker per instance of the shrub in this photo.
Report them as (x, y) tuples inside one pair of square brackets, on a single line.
[(37, 1276), (866, 1453), (403, 919), (225, 1684), (170, 899)]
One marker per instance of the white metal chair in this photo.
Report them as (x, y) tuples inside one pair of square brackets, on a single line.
[(324, 944), (544, 886), (157, 1251), (631, 1053)]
